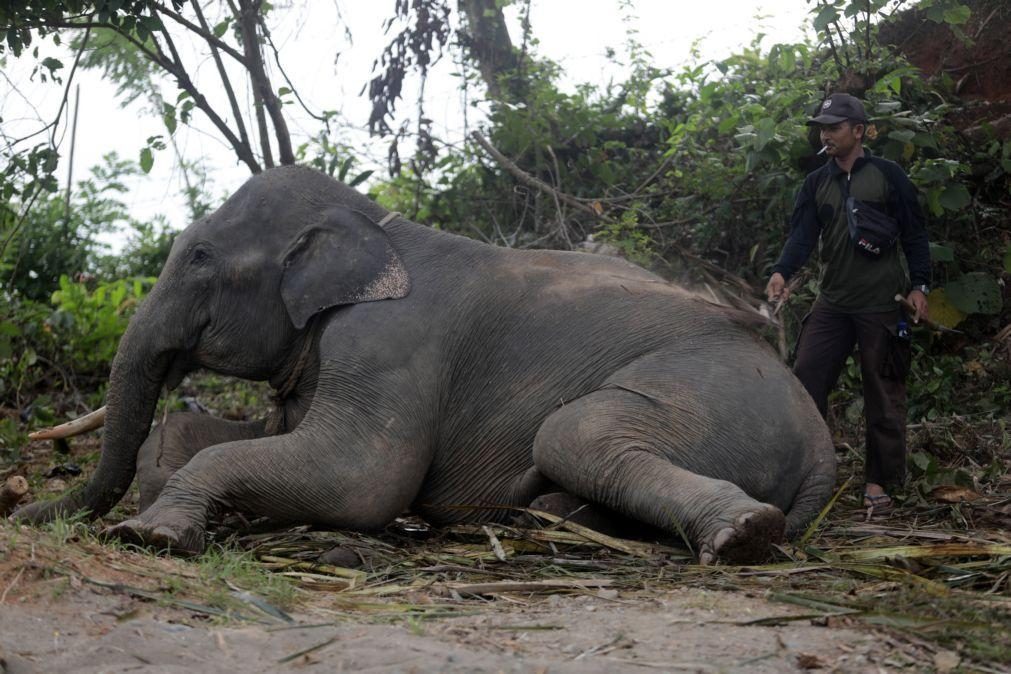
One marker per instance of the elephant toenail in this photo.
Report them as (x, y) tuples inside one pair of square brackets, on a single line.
[(723, 536)]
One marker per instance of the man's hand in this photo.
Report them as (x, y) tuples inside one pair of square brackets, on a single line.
[(777, 288), (919, 302)]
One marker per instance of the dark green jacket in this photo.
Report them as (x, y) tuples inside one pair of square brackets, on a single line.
[(850, 281)]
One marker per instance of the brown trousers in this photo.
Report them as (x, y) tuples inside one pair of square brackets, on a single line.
[(826, 340)]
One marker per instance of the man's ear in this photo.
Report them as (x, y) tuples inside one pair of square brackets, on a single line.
[(344, 259)]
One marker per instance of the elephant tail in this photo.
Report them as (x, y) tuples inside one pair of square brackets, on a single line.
[(815, 491)]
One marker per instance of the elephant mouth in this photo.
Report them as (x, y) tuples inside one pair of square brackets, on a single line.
[(180, 366)]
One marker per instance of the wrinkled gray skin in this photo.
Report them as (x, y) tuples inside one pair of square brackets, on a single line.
[(443, 372)]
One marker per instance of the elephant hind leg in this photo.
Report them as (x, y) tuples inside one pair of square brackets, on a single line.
[(815, 491), (172, 444), (600, 448)]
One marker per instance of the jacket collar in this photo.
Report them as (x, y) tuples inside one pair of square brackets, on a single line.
[(835, 170)]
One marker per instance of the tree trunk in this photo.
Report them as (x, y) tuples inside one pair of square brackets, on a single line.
[(487, 40)]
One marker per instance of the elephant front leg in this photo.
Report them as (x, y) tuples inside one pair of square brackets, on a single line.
[(289, 478)]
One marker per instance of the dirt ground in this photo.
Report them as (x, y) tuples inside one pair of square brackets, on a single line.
[(61, 623)]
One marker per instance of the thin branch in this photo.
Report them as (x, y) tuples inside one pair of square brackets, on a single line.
[(284, 74), (855, 36), (63, 101), (530, 180), (52, 141), (254, 62), (248, 30), (831, 46), (842, 44), (232, 101), (558, 206), (653, 176), (203, 31), (175, 68), (867, 35)]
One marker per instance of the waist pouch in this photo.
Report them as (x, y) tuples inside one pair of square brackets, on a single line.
[(872, 232)]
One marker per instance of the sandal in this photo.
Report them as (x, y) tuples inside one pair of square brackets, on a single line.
[(878, 506)]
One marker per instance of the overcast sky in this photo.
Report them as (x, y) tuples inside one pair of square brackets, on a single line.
[(574, 33)]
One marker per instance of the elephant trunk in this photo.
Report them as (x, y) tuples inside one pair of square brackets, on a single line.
[(138, 373)]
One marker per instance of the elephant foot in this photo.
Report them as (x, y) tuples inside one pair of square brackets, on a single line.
[(181, 539), (748, 539)]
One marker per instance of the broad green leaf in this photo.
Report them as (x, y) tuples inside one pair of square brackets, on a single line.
[(939, 253), (169, 117), (955, 197), (766, 131), (361, 177), (789, 59), (943, 310), (902, 135), (728, 124), (975, 293), (146, 160), (957, 15), (221, 28), (925, 140), (934, 201), (1007, 259), (345, 167), (826, 15)]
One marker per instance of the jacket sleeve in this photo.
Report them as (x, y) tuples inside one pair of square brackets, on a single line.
[(804, 230), (905, 206)]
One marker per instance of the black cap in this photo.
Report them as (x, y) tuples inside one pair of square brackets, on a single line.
[(838, 108)]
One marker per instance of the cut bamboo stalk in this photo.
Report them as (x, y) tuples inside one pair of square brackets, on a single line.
[(12, 491)]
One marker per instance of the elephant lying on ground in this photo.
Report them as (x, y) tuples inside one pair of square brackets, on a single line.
[(418, 370)]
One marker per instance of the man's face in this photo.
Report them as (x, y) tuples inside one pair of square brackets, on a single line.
[(841, 138)]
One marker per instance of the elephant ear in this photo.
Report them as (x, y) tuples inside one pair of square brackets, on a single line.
[(345, 259)]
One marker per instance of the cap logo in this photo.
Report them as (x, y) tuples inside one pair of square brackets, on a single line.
[(827, 104)]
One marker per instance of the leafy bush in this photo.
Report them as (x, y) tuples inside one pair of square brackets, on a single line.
[(69, 344)]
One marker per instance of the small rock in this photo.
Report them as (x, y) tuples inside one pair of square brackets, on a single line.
[(809, 661), (55, 485), (946, 661), (341, 556)]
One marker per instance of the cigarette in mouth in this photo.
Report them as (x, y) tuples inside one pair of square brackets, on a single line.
[(822, 150)]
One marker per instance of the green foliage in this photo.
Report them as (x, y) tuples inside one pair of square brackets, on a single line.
[(334, 159), (926, 473), (91, 322), (72, 341), (18, 21), (57, 238)]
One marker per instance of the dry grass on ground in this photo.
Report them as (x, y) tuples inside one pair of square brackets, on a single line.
[(936, 575)]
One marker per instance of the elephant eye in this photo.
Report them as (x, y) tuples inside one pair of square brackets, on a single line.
[(199, 256)]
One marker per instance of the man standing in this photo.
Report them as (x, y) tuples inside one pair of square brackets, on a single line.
[(859, 281)]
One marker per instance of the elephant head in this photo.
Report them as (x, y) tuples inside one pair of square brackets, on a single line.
[(234, 296)]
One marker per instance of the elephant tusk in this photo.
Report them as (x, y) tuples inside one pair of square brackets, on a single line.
[(88, 422)]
